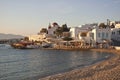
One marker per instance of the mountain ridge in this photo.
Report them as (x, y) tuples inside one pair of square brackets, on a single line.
[(10, 36)]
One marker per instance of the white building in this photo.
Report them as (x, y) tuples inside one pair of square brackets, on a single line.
[(89, 26), (115, 23), (39, 37), (87, 37), (115, 31), (51, 29), (101, 35), (75, 32), (84, 32), (115, 34)]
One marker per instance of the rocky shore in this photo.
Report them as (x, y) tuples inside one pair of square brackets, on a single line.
[(105, 70)]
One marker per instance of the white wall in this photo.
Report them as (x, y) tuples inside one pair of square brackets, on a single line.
[(102, 34), (75, 32), (39, 37), (115, 35), (52, 29), (116, 23), (117, 26)]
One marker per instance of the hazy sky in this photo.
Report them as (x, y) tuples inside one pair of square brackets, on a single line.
[(26, 17)]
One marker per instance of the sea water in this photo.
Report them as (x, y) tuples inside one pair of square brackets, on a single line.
[(32, 64)]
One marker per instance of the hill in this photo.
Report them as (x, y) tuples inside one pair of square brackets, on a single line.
[(10, 36)]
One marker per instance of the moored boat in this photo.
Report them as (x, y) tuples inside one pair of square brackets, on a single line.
[(46, 45), (25, 45), (117, 47)]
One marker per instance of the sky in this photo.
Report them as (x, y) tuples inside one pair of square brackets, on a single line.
[(27, 17)]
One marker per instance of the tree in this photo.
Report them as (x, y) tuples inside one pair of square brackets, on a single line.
[(58, 31), (55, 24), (26, 38), (112, 26), (43, 30), (102, 25), (67, 39), (65, 28)]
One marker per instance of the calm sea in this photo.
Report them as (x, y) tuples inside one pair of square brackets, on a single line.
[(16, 64)]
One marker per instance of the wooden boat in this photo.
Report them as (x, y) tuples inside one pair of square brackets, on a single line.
[(117, 47), (18, 45), (46, 45), (25, 45)]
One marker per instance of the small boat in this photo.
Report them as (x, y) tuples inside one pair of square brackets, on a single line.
[(33, 46), (46, 45), (117, 47), (25, 45), (18, 45)]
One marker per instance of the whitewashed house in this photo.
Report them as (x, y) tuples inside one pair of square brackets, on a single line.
[(115, 35), (83, 33), (115, 23), (89, 26), (75, 32), (102, 36), (87, 37), (115, 31), (51, 29), (39, 37)]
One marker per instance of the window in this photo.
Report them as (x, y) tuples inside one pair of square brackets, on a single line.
[(99, 35), (103, 35), (92, 35), (106, 35), (83, 34), (118, 32), (113, 33)]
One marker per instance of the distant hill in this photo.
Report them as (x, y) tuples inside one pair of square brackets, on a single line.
[(10, 36)]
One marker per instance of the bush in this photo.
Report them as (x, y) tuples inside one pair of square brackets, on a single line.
[(67, 39)]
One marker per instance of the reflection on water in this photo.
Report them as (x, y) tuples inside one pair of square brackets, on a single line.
[(32, 64)]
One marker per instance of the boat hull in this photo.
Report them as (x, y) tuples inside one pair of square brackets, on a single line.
[(117, 48)]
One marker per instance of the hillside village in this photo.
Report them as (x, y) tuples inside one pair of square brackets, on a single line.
[(101, 35)]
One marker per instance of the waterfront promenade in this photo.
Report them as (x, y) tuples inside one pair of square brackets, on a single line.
[(105, 70)]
